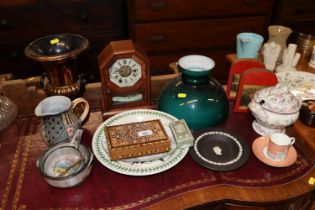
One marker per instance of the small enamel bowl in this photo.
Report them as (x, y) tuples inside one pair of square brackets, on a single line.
[(64, 165)]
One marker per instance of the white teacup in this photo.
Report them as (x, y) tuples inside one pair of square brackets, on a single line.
[(279, 145)]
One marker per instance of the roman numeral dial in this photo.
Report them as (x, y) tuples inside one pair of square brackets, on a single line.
[(125, 72)]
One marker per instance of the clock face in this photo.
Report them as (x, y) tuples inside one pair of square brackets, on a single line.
[(125, 72)]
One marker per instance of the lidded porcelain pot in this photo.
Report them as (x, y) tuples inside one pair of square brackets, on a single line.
[(274, 108), (195, 97)]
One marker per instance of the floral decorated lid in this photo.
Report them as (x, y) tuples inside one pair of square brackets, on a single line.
[(278, 99)]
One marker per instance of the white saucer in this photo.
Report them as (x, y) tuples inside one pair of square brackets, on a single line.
[(259, 148)]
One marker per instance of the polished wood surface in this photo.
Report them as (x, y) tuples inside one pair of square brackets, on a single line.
[(271, 198), (104, 21), (296, 14), (146, 10), (186, 185), (23, 21), (170, 29), (307, 132)]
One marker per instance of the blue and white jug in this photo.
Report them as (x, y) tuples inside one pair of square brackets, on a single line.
[(61, 117)]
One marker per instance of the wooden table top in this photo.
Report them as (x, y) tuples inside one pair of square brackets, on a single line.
[(185, 185)]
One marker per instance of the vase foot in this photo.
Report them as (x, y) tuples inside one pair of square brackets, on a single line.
[(265, 131)]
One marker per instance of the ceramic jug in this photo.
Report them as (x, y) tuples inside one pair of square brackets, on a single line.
[(61, 117), (248, 45)]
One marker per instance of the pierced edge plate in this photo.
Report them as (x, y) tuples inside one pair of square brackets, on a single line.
[(241, 159), (300, 83), (137, 168)]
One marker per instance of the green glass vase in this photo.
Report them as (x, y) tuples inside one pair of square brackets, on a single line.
[(195, 96)]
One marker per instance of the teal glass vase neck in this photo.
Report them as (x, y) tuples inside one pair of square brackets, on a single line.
[(195, 76), (189, 80)]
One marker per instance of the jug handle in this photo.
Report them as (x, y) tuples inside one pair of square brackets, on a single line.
[(83, 111)]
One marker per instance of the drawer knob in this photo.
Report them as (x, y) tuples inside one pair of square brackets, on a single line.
[(4, 23), (251, 2), (157, 38), (157, 5)]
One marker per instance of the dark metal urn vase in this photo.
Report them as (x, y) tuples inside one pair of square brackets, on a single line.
[(58, 53)]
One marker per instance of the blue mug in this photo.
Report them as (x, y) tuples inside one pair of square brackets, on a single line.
[(248, 45)]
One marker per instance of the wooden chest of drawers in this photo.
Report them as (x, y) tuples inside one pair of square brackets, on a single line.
[(98, 21), (296, 14), (169, 29)]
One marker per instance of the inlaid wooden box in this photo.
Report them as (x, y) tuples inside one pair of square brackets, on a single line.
[(137, 139)]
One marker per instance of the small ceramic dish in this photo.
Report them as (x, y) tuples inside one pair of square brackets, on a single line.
[(61, 162), (66, 164), (307, 113)]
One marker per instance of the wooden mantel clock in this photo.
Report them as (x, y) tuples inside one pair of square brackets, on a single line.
[(125, 78)]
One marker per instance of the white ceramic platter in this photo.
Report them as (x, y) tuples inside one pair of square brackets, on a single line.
[(147, 165), (300, 83)]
